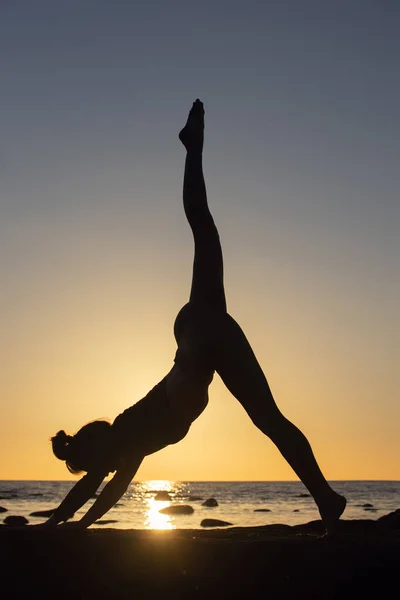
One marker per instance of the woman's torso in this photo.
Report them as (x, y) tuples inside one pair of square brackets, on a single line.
[(164, 415)]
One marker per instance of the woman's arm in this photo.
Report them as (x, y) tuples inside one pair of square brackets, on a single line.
[(111, 493), (82, 491)]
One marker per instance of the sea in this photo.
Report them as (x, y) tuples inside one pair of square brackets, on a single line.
[(241, 503)]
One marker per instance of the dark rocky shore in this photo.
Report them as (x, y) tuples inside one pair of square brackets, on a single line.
[(273, 561)]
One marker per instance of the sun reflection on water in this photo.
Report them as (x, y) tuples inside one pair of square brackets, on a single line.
[(153, 518), (158, 485)]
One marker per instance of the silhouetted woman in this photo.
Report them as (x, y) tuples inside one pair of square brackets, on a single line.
[(208, 340)]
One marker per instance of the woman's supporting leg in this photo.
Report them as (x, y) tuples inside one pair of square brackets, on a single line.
[(240, 371)]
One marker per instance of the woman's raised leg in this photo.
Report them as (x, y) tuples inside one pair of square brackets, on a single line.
[(207, 281), (194, 367), (207, 296)]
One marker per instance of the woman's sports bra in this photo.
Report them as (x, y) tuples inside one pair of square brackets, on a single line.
[(147, 426)]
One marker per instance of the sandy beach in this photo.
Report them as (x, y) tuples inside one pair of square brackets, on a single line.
[(273, 561)]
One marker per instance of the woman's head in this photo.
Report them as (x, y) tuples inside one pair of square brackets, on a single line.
[(84, 450)]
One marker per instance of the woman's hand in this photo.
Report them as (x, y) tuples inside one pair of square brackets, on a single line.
[(51, 523), (72, 525)]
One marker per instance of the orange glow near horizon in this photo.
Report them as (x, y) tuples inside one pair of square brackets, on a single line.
[(62, 375)]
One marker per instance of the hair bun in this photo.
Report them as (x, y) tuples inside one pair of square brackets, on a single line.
[(60, 444)]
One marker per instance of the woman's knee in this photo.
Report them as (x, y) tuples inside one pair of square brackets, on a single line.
[(268, 419)]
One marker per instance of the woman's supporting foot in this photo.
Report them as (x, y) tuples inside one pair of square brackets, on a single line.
[(331, 512), (192, 135)]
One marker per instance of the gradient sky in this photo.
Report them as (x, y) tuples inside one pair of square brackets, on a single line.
[(301, 160)]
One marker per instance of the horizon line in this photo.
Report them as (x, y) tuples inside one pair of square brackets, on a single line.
[(210, 480)]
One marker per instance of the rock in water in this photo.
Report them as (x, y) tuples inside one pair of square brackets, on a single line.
[(177, 509), (105, 521), (210, 502), (2, 509), (214, 523), (164, 496), (15, 521), (42, 513), (262, 510)]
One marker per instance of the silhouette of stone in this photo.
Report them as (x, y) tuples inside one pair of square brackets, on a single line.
[(214, 523), (390, 521), (296, 510), (278, 529), (42, 513), (370, 509), (15, 521), (210, 502), (2, 509), (105, 521), (177, 509), (304, 496), (262, 510), (367, 505), (164, 496)]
